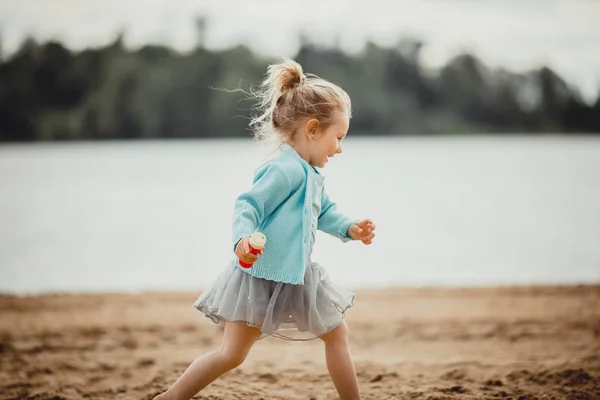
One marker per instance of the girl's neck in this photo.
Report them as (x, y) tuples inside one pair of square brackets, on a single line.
[(300, 149)]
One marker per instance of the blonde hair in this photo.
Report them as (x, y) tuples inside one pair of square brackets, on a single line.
[(287, 95)]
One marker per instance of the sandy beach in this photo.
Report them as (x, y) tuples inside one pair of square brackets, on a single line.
[(429, 343)]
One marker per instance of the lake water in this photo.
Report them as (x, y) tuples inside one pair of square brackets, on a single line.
[(156, 215)]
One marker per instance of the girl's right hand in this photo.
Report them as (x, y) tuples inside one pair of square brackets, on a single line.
[(242, 251)]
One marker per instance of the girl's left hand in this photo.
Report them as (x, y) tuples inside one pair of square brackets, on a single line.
[(362, 231)]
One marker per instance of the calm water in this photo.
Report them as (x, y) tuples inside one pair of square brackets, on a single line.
[(139, 216)]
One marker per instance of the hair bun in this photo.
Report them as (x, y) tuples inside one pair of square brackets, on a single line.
[(286, 75)]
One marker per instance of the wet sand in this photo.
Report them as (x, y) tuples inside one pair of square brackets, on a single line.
[(489, 343)]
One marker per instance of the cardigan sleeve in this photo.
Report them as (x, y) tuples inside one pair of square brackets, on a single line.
[(270, 188), (332, 221)]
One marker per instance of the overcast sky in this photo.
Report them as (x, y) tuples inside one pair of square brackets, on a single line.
[(517, 34)]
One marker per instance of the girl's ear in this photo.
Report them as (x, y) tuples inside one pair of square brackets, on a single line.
[(311, 128)]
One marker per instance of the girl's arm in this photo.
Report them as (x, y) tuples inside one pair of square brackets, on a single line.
[(332, 221), (271, 187)]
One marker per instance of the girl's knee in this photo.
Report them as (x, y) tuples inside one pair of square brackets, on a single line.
[(232, 359), (237, 342)]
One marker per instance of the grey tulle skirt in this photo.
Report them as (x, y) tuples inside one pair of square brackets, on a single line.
[(283, 310)]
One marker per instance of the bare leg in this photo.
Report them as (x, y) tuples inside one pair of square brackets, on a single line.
[(237, 342), (339, 363)]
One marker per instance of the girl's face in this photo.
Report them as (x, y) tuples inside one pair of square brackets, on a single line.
[(327, 141)]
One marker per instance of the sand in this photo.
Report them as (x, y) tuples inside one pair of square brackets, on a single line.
[(488, 343)]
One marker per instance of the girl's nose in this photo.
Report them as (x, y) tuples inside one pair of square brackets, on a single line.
[(339, 149)]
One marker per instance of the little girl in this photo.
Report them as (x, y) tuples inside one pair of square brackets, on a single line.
[(284, 289)]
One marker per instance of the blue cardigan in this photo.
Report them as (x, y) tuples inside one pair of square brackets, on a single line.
[(279, 204)]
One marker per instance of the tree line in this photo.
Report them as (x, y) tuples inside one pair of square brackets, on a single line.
[(48, 92)]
